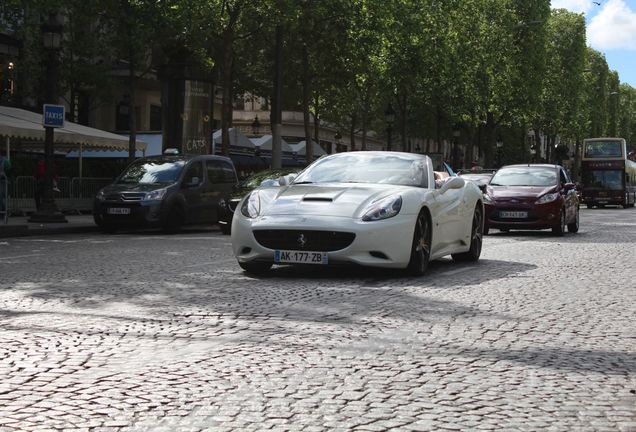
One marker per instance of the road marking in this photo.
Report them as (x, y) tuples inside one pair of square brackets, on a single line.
[(20, 256)]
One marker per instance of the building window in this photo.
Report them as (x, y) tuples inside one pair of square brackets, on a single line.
[(155, 118), (121, 119)]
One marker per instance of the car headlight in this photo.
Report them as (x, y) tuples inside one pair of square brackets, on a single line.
[(547, 198), (155, 195), (100, 195), (383, 209), (487, 199), (251, 205)]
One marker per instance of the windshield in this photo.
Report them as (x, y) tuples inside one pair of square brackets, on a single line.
[(149, 172), (603, 149), (367, 167), (525, 176), (606, 180)]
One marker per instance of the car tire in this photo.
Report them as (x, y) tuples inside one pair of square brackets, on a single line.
[(226, 228), (559, 228), (476, 239), (255, 267), (174, 219), (104, 227), (421, 245), (573, 227)]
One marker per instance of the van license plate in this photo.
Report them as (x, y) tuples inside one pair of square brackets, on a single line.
[(118, 210), (300, 257)]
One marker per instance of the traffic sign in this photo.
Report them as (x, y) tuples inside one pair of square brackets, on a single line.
[(53, 116)]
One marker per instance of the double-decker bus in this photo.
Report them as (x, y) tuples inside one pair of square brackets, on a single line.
[(608, 176)]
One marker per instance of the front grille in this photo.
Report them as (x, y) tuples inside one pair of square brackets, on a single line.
[(132, 196), (318, 241)]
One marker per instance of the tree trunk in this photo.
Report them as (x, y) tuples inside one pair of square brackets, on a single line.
[(491, 128), (403, 115), (132, 120), (306, 98), (226, 78), (316, 120), (352, 132), (277, 95)]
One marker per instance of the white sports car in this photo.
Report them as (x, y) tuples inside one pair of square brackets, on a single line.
[(380, 209)]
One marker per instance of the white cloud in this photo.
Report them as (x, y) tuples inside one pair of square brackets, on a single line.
[(614, 27), (578, 6)]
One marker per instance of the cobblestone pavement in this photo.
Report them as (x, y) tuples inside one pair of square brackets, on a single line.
[(144, 331)]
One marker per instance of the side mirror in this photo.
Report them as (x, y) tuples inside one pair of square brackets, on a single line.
[(452, 183), (569, 186), (483, 187), (285, 180)]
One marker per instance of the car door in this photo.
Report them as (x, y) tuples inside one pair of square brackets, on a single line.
[(569, 197), (221, 182), (193, 188), (447, 210)]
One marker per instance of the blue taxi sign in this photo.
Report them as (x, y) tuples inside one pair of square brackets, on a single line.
[(53, 116)]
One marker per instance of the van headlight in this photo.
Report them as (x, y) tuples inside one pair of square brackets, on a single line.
[(383, 209), (155, 195), (547, 198), (100, 196), (251, 205)]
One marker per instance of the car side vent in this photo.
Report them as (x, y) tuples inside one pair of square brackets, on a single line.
[(317, 199), (377, 254)]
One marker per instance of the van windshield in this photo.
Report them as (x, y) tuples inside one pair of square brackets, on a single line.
[(149, 172)]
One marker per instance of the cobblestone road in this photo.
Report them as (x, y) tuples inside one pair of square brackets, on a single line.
[(145, 331)]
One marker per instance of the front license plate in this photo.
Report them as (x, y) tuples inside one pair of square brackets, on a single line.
[(118, 210), (513, 214), (300, 257)]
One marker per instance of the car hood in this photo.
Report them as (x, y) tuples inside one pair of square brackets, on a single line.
[(133, 187), (326, 200), (519, 192)]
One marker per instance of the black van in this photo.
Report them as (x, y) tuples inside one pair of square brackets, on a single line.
[(167, 192)]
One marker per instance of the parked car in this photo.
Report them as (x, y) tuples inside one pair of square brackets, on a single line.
[(381, 209), (266, 178), (168, 192), (532, 196)]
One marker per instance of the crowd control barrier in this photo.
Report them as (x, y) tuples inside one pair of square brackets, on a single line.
[(4, 198), (71, 194)]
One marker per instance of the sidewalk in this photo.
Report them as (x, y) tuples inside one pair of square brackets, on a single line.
[(19, 226)]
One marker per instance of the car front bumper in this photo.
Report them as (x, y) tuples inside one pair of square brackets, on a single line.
[(386, 243), (539, 216), (134, 214)]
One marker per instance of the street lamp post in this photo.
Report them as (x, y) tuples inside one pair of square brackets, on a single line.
[(52, 40), (389, 117), (499, 150)]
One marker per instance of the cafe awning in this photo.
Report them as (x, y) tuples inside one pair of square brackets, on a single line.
[(27, 126)]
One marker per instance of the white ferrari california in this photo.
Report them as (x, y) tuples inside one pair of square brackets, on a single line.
[(380, 209)]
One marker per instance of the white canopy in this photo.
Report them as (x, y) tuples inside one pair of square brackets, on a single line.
[(237, 139), (19, 123), (301, 149), (265, 143)]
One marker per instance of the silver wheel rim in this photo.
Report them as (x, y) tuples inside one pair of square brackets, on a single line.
[(422, 247)]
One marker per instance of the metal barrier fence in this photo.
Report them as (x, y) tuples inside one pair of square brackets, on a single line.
[(73, 194), (4, 198)]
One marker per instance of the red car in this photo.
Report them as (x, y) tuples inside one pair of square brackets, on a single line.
[(531, 197)]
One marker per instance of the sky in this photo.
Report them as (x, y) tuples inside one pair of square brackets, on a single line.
[(611, 29)]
